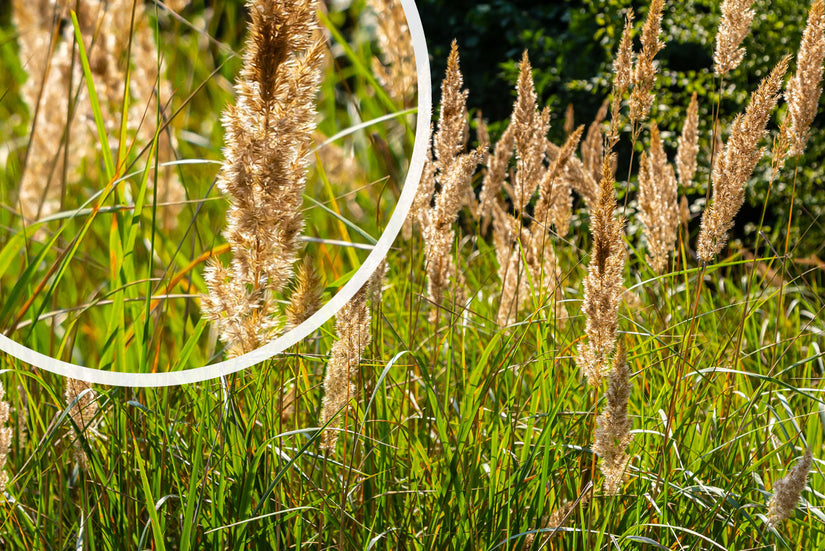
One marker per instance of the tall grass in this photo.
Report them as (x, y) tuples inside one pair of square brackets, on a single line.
[(459, 428)]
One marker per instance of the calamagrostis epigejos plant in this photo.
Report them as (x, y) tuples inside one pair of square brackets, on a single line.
[(737, 16), (63, 138), (688, 144), (788, 490), (804, 88), (736, 163), (83, 414), (612, 435), (5, 439), (352, 326), (658, 202), (522, 249), (268, 141), (603, 284), (644, 72), (453, 171), (396, 70)]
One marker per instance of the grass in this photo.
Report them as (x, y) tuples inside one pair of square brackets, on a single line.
[(463, 435)]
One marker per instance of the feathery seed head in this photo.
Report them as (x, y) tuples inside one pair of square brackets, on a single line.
[(268, 140), (688, 144), (804, 88), (612, 435), (736, 164), (623, 63), (644, 73), (737, 16), (788, 490), (603, 284), (658, 202)]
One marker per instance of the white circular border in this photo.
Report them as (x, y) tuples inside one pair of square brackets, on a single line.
[(212, 371)]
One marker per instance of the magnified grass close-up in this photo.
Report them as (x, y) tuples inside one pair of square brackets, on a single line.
[(600, 328)]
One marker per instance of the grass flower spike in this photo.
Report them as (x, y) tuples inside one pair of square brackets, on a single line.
[(658, 202), (83, 413), (603, 284), (805, 87), (268, 141), (5, 439), (737, 16), (453, 171), (688, 144), (788, 490), (644, 72), (736, 163), (613, 425)]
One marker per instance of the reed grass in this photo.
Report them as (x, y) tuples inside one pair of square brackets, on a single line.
[(491, 429)]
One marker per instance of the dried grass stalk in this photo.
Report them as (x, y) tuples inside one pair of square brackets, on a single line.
[(268, 141), (612, 435), (530, 132), (622, 76), (452, 170), (603, 285), (736, 163), (688, 144), (788, 490), (83, 414), (555, 201), (593, 144), (396, 70), (804, 88), (352, 325), (569, 120), (658, 202), (5, 439), (306, 296), (496, 172), (734, 26), (644, 72)]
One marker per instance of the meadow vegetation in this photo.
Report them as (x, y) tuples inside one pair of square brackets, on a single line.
[(567, 348)]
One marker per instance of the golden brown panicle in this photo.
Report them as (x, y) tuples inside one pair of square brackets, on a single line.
[(396, 71), (736, 163), (268, 141), (603, 285), (658, 202), (804, 88), (612, 435), (644, 73), (688, 144), (788, 490), (306, 296), (452, 170), (737, 16)]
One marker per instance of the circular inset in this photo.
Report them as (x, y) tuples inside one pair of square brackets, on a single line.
[(238, 363)]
